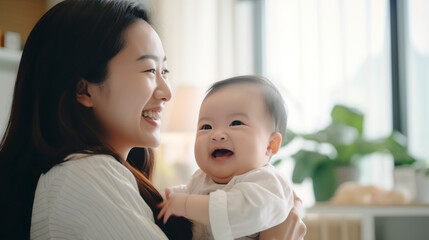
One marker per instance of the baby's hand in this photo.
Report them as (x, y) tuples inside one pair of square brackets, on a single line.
[(175, 204)]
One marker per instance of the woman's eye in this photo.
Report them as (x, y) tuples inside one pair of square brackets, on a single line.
[(206, 127), (236, 123), (165, 72), (151, 71)]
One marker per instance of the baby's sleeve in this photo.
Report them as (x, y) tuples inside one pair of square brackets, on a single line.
[(178, 189), (259, 201), (191, 186)]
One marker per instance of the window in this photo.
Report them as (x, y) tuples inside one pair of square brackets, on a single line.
[(325, 52), (416, 46)]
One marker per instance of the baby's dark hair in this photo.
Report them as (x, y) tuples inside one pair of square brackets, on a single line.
[(273, 99)]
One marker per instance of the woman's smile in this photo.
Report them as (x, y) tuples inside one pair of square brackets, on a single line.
[(152, 116)]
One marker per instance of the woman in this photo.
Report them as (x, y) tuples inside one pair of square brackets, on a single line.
[(92, 80), (91, 86)]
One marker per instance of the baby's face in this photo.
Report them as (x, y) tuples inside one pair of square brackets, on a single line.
[(234, 132)]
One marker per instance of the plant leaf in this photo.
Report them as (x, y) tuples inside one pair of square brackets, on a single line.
[(276, 162), (348, 116), (324, 181), (396, 145), (345, 153), (288, 138), (305, 163), (335, 133), (371, 146)]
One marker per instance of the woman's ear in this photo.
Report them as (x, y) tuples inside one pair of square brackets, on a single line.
[(82, 94), (274, 144)]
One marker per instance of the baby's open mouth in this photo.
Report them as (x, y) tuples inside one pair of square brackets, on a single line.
[(222, 153)]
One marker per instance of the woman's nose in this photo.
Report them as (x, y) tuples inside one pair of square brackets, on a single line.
[(219, 136), (163, 90)]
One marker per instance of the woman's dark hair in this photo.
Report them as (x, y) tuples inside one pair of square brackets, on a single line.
[(273, 99), (74, 40)]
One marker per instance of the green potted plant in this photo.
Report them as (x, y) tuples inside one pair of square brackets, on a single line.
[(341, 144)]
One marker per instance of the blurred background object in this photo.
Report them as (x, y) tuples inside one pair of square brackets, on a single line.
[(20, 16), (332, 156), (1, 38), (12, 41), (175, 156)]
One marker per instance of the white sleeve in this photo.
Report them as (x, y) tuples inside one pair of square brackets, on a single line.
[(193, 186), (178, 189), (102, 202), (258, 202), (196, 178)]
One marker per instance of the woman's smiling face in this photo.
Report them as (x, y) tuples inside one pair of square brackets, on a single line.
[(128, 104)]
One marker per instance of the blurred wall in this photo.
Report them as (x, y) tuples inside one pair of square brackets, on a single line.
[(21, 15)]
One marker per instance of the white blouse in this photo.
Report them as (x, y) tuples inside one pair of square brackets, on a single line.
[(91, 197), (248, 204)]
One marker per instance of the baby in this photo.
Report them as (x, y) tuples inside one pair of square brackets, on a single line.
[(236, 193)]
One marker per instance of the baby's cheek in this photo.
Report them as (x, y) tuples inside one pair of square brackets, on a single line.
[(198, 150), (200, 142)]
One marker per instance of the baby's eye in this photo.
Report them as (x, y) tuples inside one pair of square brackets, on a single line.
[(236, 123), (206, 127)]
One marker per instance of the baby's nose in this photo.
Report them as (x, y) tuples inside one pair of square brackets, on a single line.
[(219, 136)]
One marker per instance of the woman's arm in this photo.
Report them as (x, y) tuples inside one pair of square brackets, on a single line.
[(293, 228)]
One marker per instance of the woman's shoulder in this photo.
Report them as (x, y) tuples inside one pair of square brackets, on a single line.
[(87, 167), (94, 196), (93, 163), (82, 160), (83, 180)]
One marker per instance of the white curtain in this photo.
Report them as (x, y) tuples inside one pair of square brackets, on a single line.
[(198, 39), (417, 76), (323, 52)]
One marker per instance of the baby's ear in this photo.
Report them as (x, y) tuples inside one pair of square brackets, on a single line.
[(82, 94), (274, 144)]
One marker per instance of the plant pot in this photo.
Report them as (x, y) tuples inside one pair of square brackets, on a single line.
[(347, 174), (404, 178), (422, 187), (329, 176)]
